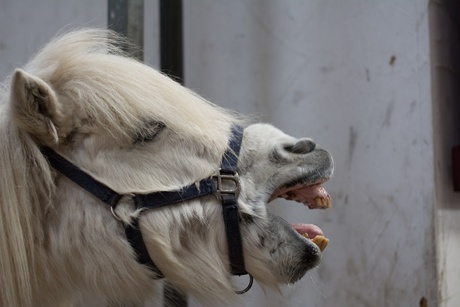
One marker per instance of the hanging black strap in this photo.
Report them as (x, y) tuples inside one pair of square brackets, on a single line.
[(135, 239), (230, 205), (232, 230)]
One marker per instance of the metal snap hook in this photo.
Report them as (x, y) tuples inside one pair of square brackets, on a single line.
[(251, 280)]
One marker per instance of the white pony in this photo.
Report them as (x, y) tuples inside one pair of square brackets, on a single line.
[(137, 131)]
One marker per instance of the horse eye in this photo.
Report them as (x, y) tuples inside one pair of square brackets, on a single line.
[(149, 132)]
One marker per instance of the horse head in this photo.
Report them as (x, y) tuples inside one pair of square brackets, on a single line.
[(137, 132)]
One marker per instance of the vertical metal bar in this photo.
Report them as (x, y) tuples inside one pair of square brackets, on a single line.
[(118, 18), (127, 18), (171, 39), (171, 63), (456, 167), (135, 29)]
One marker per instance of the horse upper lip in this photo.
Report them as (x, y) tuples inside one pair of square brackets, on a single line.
[(313, 195)]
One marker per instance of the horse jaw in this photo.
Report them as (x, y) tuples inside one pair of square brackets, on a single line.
[(272, 163)]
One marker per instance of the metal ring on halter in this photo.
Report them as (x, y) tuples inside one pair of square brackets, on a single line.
[(112, 209), (113, 206), (251, 280)]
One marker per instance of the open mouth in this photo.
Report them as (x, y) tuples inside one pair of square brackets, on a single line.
[(313, 195)]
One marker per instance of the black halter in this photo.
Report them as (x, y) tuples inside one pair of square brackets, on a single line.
[(212, 185)]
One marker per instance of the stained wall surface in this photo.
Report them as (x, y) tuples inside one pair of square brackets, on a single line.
[(354, 76)]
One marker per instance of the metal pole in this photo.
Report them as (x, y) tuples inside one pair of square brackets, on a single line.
[(127, 18), (171, 39), (171, 62)]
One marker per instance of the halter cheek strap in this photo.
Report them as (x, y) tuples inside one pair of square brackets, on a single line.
[(213, 185)]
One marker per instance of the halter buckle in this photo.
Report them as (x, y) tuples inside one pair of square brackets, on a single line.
[(231, 182)]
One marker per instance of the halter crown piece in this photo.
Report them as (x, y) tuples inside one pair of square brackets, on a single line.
[(213, 185)]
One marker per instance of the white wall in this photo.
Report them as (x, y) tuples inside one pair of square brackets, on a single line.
[(25, 25), (354, 75), (324, 69)]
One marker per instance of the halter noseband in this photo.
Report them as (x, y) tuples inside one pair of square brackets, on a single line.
[(213, 185)]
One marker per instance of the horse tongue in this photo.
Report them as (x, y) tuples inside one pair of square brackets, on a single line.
[(313, 233), (309, 229)]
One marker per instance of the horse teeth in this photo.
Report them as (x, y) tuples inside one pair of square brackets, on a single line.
[(321, 242), (306, 235), (322, 203), (319, 202), (328, 201)]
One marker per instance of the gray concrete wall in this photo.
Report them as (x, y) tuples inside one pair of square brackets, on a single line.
[(354, 75), (25, 25)]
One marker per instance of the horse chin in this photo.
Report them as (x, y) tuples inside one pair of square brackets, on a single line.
[(288, 255)]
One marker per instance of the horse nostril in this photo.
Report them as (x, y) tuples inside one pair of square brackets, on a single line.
[(302, 146)]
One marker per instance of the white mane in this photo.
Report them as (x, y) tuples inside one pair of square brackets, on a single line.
[(83, 68), (25, 188)]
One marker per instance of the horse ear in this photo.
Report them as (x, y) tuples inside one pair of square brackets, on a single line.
[(36, 107)]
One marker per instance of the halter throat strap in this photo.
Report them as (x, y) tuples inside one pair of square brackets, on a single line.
[(213, 185)]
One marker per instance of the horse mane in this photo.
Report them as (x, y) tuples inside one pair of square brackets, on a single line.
[(25, 185), (83, 67)]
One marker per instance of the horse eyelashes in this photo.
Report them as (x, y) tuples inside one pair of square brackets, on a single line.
[(149, 132)]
